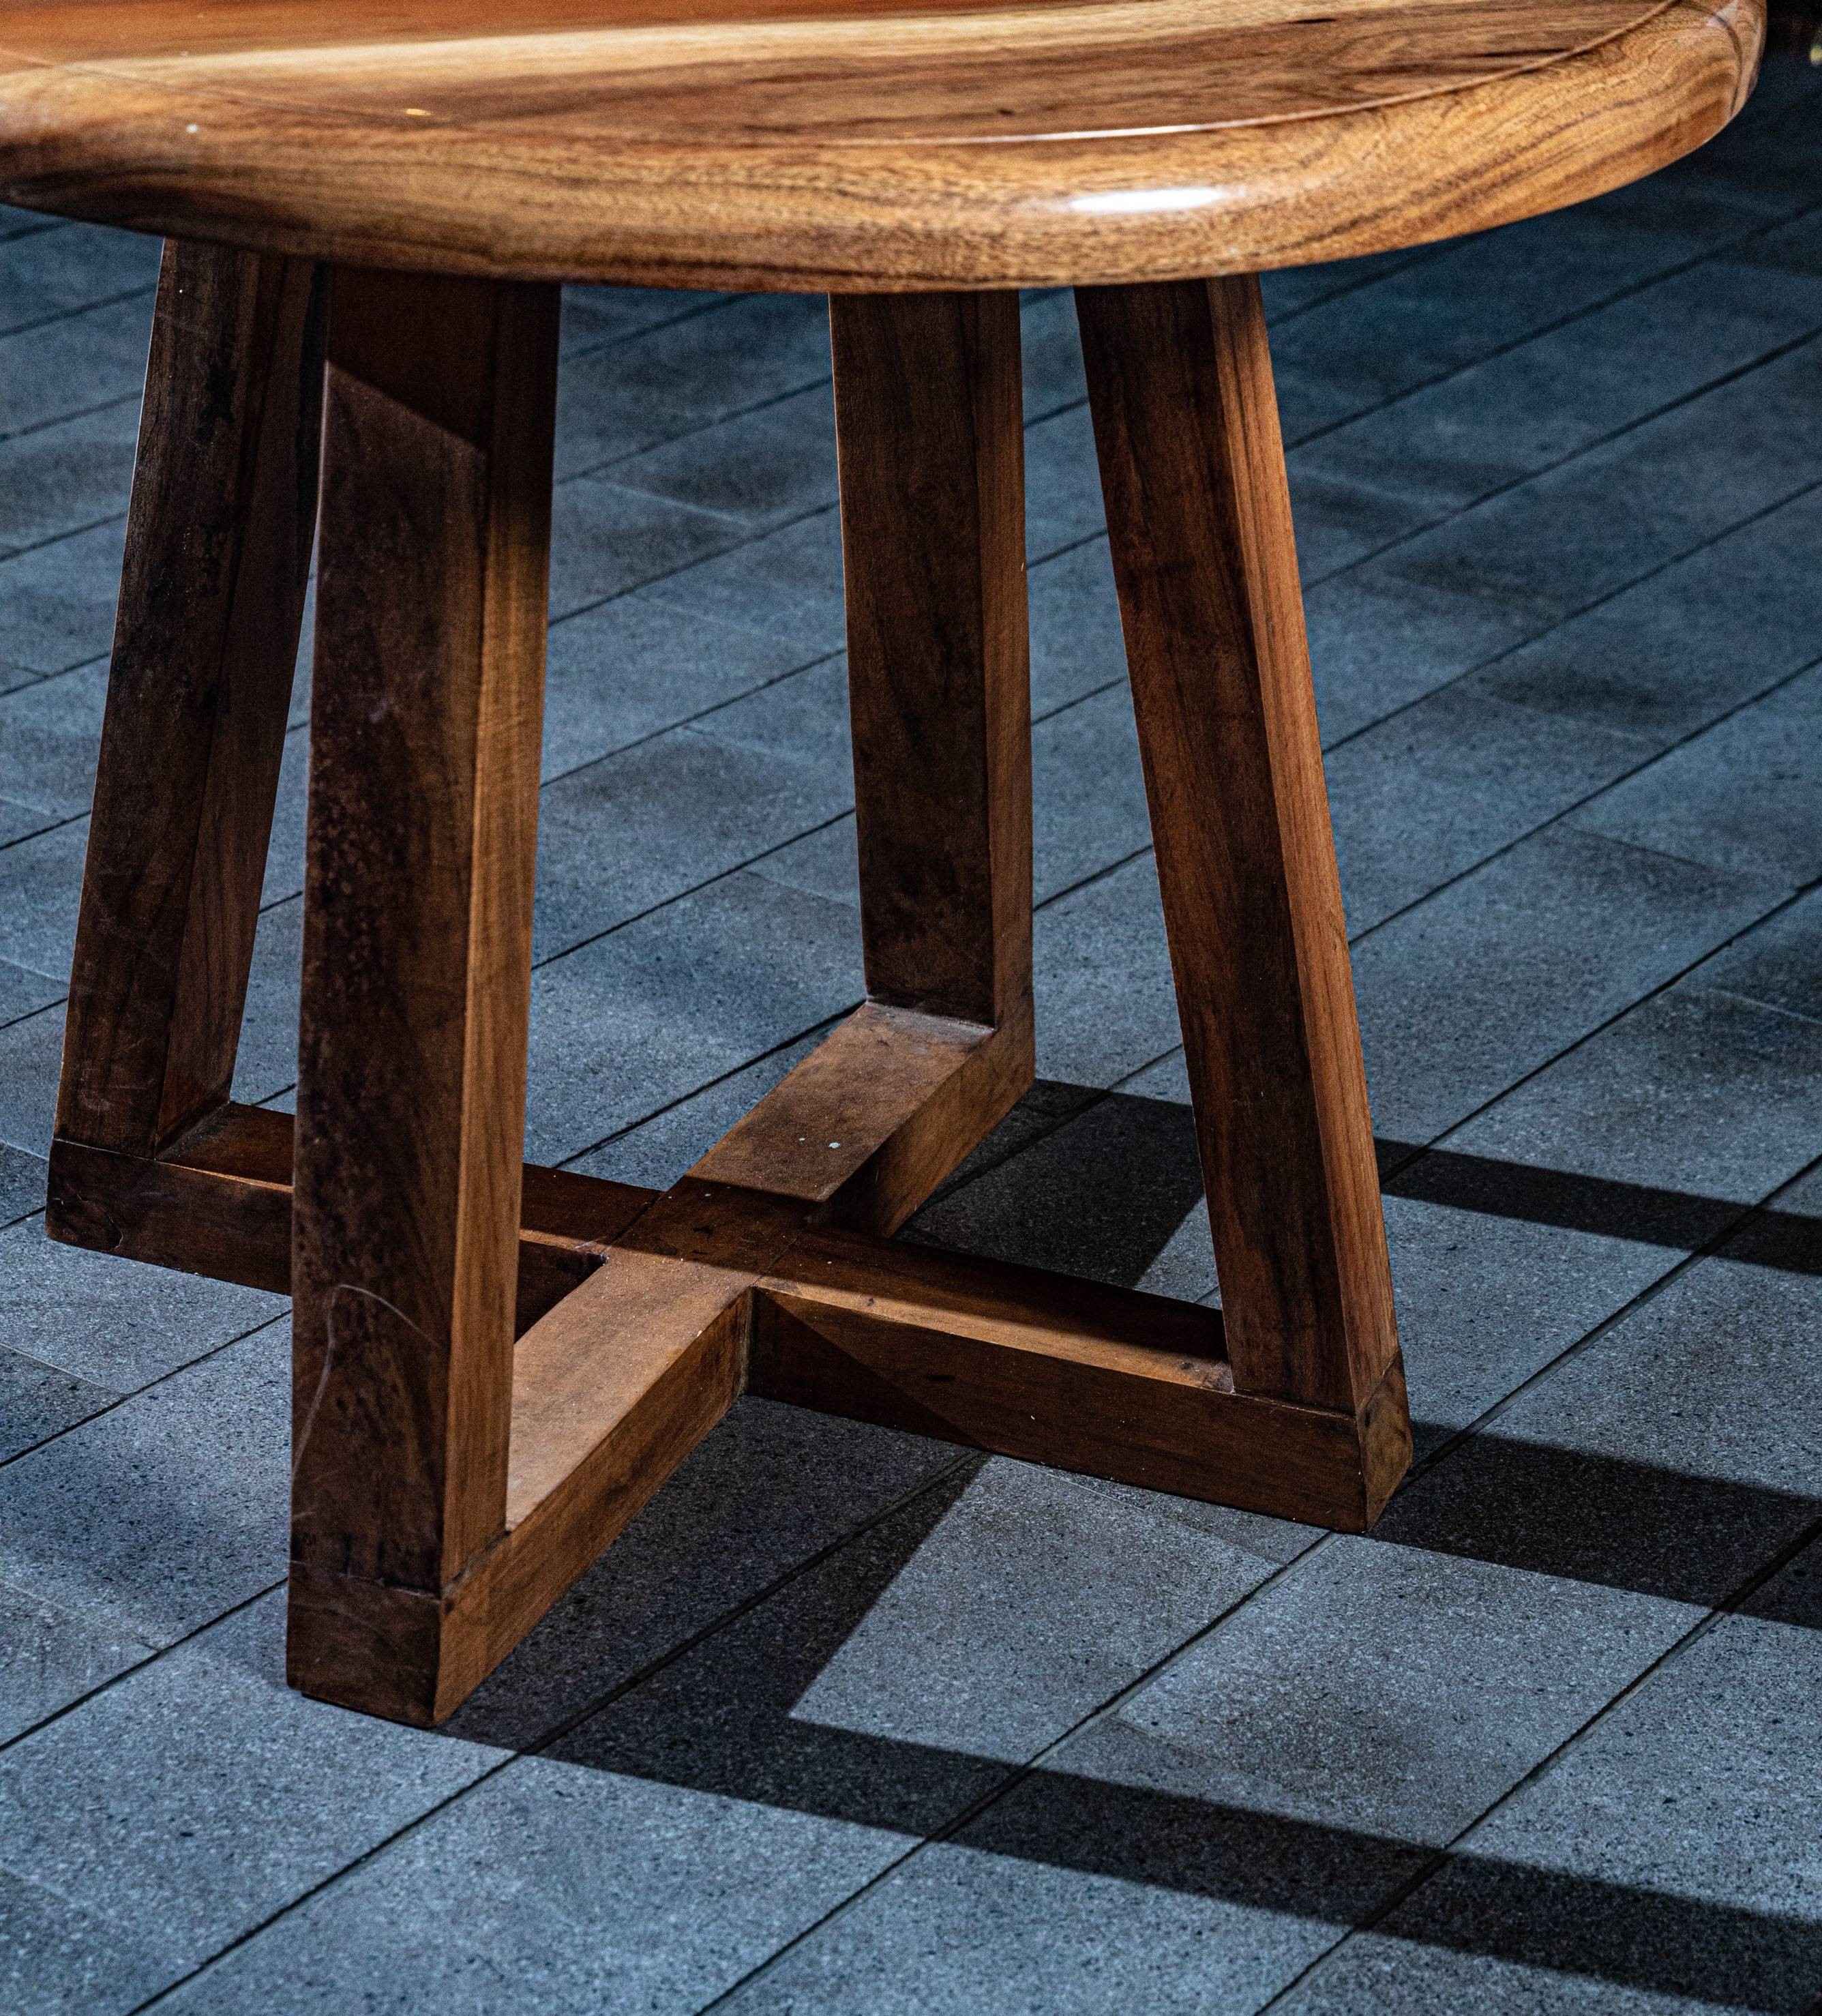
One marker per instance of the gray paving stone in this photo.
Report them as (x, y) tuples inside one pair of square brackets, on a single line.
[(70, 474), (763, 468), (268, 1059), (1089, 791), (643, 1016), (41, 887), (1051, 346), (1296, 289), (1485, 1296), (1779, 961), (639, 829), (633, 667), (1441, 786), (84, 361), (1115, 1194), (1485, 1299), (285, 850), (1491, 977), (900, 1678), (1794, 1595), (1665, 1863), (771, 1487), (605, 540), (15, 223), (1274, 1784), (802, 719), (178, 1809), (1675, 1455), (1063, 484), (1795, 247), (1105, 1004), (1442, 448), (115, 1322), (1694, 1095), (825, 863), (31, 1050), (1045, 1107), (788, 582), (1746, 795), (24, 992), (791, 581), (559, 1888), (1599, 522), (593, 316), (1676, 650), (39, 1401), (157, 1516), (665, 382), (45, 274), (49, 734), (1577, 1190), (56, 1959), (1076, 644), (1491, 291), (57, 602), (49, 1658), (1342, 518), (1379, 640), (22, 1184), (657, 1151)]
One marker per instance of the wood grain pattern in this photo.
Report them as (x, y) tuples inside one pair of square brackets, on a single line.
[(1199, 518), (862, 145), (877, 1115), (1082, 1377), (218, 540), (411, 1104), (929, 435), (218, 1201)]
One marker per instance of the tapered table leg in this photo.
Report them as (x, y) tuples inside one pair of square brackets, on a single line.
[(218, 539), (423, 798), (1192, 466), (928, 426)]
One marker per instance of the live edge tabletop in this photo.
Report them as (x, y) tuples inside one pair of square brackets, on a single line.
[(870, 145), (368, 205)]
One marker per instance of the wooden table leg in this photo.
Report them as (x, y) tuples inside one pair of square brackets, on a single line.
[(1192, 466), (929, 429), (218, 543), (411, 1106)]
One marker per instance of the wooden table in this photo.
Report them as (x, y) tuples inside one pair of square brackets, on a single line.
[(368, 209)]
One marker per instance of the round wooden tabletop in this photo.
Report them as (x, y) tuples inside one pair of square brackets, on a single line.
[(851, 145)]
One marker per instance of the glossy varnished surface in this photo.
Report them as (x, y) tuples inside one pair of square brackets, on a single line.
[(862, 144)]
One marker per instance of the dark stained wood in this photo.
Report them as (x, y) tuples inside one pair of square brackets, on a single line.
[(869, 1124), (671, 1394), (1071, 1373), (1198, 515), (218, 1202), (206, 642), (411, 1104), (929, 433), (863, 146)]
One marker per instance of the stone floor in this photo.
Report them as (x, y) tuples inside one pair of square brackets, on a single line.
[(850, 1721)]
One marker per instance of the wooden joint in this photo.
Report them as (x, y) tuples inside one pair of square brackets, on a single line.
[(644, 1315)]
